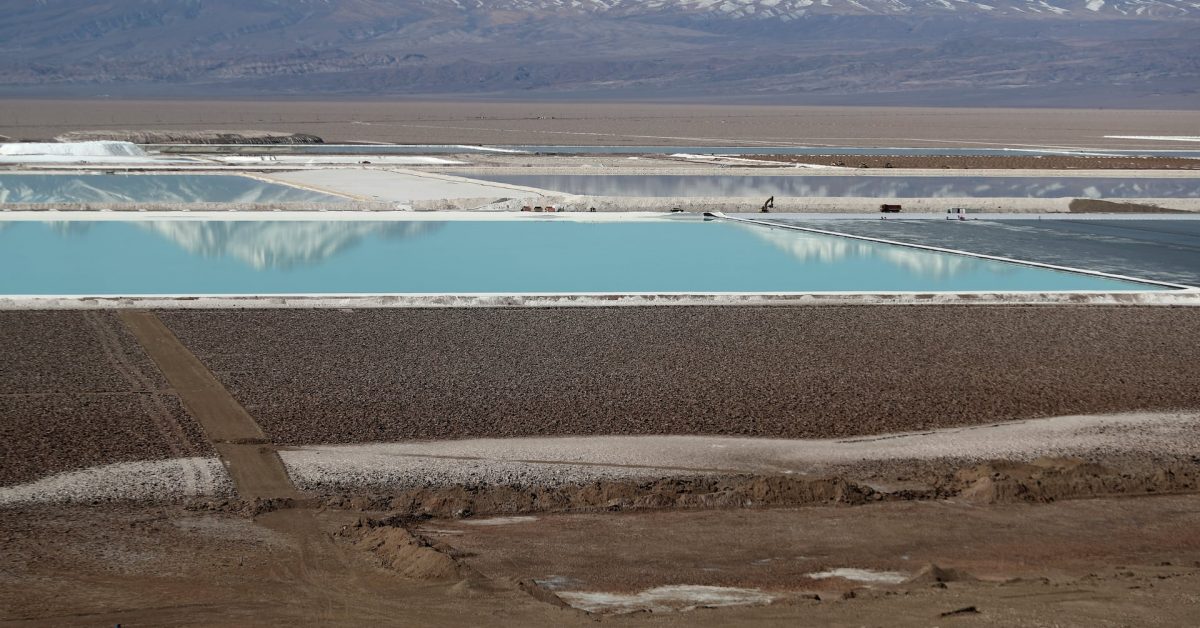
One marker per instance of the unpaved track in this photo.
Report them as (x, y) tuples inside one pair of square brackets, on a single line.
[(253, 465), (319, 567)]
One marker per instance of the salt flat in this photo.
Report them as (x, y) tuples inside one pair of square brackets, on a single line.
[(399, 185), (551, 461)]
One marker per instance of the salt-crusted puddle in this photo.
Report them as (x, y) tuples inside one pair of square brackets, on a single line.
[(185, 255), (664, 599), (151, 188), (861, 575), (857, 186)]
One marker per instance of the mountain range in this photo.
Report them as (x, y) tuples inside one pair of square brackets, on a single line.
[(1067, 52)]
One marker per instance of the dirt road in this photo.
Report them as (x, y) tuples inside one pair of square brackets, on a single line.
[(252, 462)]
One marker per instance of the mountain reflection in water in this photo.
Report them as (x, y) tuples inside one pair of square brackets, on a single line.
[(875, 186), (807, 247), (280, 244)]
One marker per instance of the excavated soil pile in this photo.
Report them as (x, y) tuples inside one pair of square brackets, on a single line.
[(399, 550), (1043, 480), (1096, 206), (1051, 479), (337, 376), (76, 390), (1005, 162), (739, 491), (192, 137)]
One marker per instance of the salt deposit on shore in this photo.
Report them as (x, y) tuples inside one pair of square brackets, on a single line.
[(664, 599), (575, 460), (402, 185), (551, 461), (142, 480), (311, 160), (73, 149), (104, 152)]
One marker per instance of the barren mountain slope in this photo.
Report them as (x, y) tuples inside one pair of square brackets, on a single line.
[(622, 48)]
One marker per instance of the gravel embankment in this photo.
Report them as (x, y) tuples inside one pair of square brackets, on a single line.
[(330, 376), (77, 391)]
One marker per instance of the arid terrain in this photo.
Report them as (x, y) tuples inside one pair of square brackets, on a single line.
[(1086, 521), (662, 124), (907, 463), (1028, 162)]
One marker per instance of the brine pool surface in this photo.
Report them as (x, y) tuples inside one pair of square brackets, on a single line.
[(882, 186), (191, 256)]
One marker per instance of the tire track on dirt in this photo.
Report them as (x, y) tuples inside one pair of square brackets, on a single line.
[(319, 567), (140, 385), (253, 464)]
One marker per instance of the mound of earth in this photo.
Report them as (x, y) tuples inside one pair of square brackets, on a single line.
[(192, 137), (1096, 206), (933, 574), (736, 491), (400, 550), (1051, 479)]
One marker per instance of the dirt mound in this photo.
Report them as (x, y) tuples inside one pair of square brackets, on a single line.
[(400, 550), (933, 574), (1050, 479), (998, 481), (192, 137), (1095, 206), (740, 491)]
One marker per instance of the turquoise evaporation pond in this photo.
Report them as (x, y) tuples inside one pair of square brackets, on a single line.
[(151, 188), (249, 257)]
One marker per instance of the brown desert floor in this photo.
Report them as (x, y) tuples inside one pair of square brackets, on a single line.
[(1061, 540), (1107, 562), (613, 123), (1030, 162), (339, 376), (1005, 560), (76, 390)]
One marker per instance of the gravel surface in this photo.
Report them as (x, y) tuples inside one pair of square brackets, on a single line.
[(77, 391), (344, 376), (152, 480), (577, 460)]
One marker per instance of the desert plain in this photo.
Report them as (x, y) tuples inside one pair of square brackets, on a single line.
[(1001, 464)]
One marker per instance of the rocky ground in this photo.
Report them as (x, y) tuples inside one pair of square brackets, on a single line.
[(191, 137), (76, 390), (1108, 538), (331, 376), (1108, 561)]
